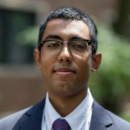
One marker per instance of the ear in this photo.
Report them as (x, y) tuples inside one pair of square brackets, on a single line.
[(96, 62), (37, 58)]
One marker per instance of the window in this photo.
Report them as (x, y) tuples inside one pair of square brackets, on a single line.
[(11, 23)]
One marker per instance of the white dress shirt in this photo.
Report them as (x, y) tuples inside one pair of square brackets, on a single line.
[(78, 119)]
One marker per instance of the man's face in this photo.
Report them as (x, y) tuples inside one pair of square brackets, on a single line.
[(66, 73)]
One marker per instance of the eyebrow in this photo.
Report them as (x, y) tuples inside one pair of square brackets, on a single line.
[(53, 36), (77, 37)]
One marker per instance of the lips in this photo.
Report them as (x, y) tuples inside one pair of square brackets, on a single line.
[(64, 71)]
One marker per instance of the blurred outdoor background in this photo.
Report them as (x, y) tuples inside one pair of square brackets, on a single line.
[(21, 84)]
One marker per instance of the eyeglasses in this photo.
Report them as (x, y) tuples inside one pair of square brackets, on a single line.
[(54, 47)]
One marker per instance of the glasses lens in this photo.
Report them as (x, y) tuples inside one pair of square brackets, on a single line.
[(52, 47), (79, 47)]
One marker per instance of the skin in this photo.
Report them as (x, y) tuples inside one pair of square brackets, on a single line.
[(67, 89)]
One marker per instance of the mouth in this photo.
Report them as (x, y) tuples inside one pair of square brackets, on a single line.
[(64, 71)]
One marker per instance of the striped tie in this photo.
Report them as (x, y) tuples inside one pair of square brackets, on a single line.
[(60, 124)]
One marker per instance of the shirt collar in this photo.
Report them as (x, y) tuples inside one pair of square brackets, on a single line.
[(76, 118), (50, 113)]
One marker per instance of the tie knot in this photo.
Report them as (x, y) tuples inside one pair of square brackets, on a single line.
[(60, 124)]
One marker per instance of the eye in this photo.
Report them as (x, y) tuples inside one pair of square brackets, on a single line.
[(80, 46), (53, 45)]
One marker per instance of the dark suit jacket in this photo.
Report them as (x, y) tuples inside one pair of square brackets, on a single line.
[(30, 119)]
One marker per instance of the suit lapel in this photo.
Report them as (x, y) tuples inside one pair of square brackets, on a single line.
[(96, 125), (32, 119), (100, 118)]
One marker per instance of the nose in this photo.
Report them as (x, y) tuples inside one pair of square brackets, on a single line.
[(65, 54)]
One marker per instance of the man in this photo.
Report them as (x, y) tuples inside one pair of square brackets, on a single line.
[(66, 56)]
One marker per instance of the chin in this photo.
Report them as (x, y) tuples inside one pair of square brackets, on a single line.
[(64, 94), (63, 85), (64, 89)]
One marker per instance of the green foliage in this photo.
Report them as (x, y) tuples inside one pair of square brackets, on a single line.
[(125, 115), (28, 37), (112, 81)]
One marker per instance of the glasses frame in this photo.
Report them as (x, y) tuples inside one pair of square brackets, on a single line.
[(41, 43)]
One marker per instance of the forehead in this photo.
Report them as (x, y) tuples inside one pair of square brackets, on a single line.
[(67, 28)]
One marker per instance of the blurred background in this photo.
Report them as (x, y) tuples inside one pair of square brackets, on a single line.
[(21, 84)]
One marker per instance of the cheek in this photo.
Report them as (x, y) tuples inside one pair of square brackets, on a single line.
[(86, 68), (46, 65), (84, 65), (84, 62)]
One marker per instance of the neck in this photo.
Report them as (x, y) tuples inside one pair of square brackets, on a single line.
[(64, 105)]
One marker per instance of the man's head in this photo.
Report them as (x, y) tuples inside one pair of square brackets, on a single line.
[(70, 13), (66, 60)]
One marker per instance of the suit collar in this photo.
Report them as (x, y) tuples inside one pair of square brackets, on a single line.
[(100, 118)]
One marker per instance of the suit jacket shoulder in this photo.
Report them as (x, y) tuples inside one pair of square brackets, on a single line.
[(103, 119), (118, 122), (27, 119), (11, 120)]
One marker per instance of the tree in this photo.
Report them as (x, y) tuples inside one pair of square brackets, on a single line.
[(122, 25)]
